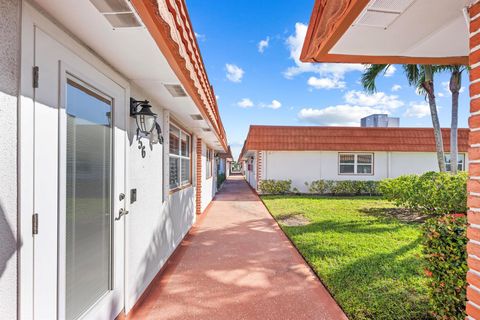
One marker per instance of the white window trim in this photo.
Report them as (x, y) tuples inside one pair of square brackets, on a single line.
[(355, 163), (460, 154), (182, 184)]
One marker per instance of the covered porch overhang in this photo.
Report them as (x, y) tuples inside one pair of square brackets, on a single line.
[(154, 49), (388, 32)]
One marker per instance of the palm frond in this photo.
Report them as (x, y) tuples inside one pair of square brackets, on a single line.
[(370, 75), (413, 72)]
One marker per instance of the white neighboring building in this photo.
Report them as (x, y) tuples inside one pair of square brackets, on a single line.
[(91, 208), (306, 154)]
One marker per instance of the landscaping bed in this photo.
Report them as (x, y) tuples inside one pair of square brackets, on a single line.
[(367, 254)]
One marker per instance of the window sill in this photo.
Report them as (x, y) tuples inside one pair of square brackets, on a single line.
[(172, 191)]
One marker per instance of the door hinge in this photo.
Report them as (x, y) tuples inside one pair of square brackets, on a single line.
[(35, 76), (35, 223)]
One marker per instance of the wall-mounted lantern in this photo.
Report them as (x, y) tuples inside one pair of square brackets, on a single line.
[(145, 118)]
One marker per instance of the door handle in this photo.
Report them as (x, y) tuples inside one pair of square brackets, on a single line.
[(122, 212)]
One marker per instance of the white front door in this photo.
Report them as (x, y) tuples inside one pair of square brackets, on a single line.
[(79, 176)]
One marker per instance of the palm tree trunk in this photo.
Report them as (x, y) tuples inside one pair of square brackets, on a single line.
[(429, 89), (455, 84)]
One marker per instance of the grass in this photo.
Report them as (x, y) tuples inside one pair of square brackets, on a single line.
[(369, 260)]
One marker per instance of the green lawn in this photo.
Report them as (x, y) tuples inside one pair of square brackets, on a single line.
[(370, 261)]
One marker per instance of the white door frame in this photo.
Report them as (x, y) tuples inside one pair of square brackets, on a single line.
[(31, 18)]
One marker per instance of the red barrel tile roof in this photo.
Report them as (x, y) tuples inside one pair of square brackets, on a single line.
[(291, 138)]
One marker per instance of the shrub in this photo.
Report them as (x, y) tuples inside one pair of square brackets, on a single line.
[(345, 187), (445, 241), (430, 193), (220, 179), (275, 186), (318, 186)]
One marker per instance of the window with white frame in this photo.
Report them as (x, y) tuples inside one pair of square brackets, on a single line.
[(179, 158), (208, 165), (460, 162), (355, 163)]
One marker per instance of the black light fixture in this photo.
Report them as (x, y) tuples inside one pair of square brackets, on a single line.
[(145, 118)]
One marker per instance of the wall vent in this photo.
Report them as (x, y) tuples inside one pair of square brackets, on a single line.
[(206, 129), (398, 6), (117, 12), (383, 13), (176, 90), (196, 116)]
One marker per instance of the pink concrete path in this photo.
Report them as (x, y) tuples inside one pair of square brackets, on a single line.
[(236, 263)]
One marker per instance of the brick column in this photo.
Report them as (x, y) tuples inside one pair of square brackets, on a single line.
[(473, 247), (259, 160), (198, 200)]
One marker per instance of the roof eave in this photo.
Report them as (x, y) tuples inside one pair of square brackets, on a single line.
[(320, 40), (160, 31)]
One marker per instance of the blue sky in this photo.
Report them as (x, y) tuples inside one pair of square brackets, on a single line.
[(251, 48)]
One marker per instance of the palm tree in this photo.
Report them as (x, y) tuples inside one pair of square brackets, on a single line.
[(420, 76), (455, 85)]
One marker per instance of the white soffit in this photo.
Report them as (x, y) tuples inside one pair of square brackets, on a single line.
[(416, 28), (131, 51)]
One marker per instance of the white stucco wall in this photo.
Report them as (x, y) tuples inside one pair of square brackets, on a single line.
[(9, 79), (408, 163), (296, 166), (158, 220), (307, 166)]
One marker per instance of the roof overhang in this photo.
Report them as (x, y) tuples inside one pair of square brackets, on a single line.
[(387, 32), (159, 53), (170, 26)]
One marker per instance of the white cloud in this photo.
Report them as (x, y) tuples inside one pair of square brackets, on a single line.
[(326, 83), (263, 44), (217, 97), (275, 104), (390, 71), (334, 71), (340, 115), (377, 100), (357, 105), (396, 87), (200, 37), (234, 73), (417, 110), (441, 94), (245, 103)]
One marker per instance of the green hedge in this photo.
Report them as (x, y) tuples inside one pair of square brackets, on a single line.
[(275, 186), (444, 197), (445, 253), (430, 193), (344, 187)]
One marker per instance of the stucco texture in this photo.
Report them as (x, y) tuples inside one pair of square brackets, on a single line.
[(9, 73)]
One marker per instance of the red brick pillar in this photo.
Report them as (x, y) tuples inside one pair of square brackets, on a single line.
[(259, 170), (473, 247), (198, 200)]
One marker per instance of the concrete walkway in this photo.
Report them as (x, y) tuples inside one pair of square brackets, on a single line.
[(236, 263)]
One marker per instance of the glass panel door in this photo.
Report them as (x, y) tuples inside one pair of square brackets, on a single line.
[(88, 197)]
